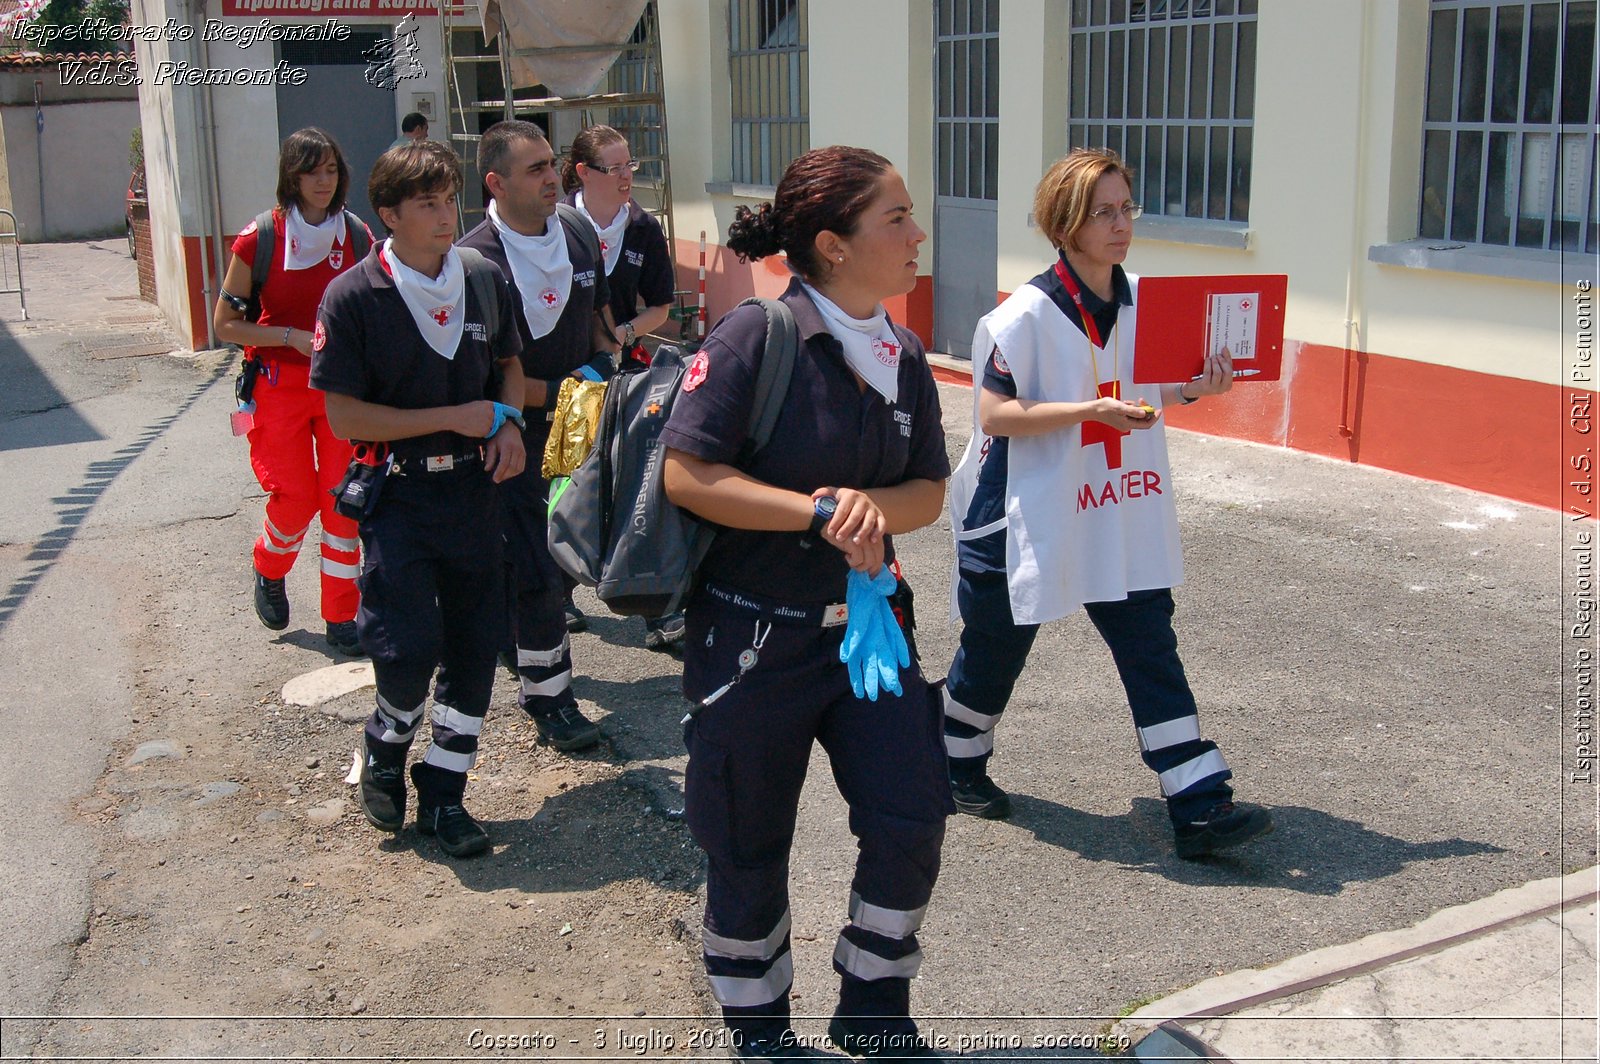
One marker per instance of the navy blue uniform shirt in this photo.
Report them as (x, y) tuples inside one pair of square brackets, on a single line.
[(571, 343), (644, 272), (988, 555), (830, 433), (367, 347)]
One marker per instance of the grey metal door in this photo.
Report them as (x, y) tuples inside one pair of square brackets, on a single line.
[(966, 155), (337, 97)]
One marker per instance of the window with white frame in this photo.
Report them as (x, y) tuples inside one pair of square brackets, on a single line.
[(1170, 86), (1508, 132), (768, 75)]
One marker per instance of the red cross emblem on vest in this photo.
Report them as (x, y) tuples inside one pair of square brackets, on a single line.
[(549, 297), (442, 315), (1099, 432)]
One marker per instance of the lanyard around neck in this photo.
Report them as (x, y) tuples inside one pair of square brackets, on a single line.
[(1091, 329)]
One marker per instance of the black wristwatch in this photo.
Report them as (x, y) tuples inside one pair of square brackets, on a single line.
[(821, 513)]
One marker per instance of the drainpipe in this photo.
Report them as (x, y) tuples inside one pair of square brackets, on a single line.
[(209, 277), (1352, 278), (218, 256), (38, 111)]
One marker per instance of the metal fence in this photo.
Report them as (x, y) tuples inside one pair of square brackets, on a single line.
[(11, 264)]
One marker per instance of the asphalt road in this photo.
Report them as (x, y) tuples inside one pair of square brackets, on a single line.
[(1379, 658)]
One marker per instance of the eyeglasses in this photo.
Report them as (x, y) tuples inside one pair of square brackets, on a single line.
[(632, 166), (1104, 215)]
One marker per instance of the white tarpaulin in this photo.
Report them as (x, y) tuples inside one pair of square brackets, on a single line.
[(606, 24)]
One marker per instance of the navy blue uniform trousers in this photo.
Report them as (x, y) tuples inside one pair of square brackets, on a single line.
[(432, 597), (748, 753), (539, 595), (1139, 632)]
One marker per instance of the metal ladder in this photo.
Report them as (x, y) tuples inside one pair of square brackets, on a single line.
[(478, 85)]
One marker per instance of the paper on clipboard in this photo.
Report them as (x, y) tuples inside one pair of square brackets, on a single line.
[(1231, 323), (1181, 320)]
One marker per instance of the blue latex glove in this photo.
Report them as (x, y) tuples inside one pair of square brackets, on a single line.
[(874, 648), (503, 413)]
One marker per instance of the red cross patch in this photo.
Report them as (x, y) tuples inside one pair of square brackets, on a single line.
[(247, 230), (886, 351), (1098, 432), (319, 338), (336, 258), (549, 297), (698, 370), (604, 247), (1000, 365), (440, 315), (294, 244)]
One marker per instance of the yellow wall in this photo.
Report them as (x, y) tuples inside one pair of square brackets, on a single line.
[(1322, 192), (1336, 169)]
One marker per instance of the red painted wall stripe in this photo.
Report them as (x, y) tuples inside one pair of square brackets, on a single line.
[(1499, 435)]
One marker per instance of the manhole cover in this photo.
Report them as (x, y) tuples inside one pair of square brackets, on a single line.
[(129, 350)]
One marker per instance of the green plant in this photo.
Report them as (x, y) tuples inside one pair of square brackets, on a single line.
[(136, 149)]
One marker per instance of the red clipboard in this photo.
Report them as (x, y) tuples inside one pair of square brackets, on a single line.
[(1177, 317)]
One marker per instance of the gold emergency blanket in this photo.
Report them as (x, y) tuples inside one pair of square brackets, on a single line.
[(577, 419)]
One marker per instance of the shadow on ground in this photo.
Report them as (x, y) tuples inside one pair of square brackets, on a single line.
[(1309, 852)]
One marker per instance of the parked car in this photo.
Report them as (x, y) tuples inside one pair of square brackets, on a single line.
[(135, 194)]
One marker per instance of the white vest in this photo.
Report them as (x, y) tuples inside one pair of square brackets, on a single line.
[(1077, 530)]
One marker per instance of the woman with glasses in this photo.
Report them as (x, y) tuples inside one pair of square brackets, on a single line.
[(598, 179), (1064, 499)]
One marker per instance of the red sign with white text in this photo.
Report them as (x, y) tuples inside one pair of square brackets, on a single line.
[(323, 8)]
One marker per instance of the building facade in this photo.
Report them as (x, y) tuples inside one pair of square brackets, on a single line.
[(1422, 170)]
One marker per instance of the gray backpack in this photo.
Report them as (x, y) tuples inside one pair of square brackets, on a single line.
[(611, 525)]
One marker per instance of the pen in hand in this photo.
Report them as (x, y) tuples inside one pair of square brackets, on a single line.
[(1237, 373)]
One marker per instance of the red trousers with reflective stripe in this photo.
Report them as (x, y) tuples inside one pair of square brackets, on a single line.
[(298, 462)]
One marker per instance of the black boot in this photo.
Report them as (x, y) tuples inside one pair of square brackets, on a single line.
[(441, 814), (272, 603), (382, 793)]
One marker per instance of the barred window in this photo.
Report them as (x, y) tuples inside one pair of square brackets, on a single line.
[(633, 72), (1170, 85), (966, 46), (1508, 132), (768, 73)]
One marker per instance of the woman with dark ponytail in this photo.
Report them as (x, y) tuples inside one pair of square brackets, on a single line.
[(857, 455)]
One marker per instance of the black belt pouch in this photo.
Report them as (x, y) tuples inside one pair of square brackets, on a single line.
[(357, 494)]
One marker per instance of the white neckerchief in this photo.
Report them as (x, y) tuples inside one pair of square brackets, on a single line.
[(309, 244), (610, 235), (541, 268), (437, 304), (870, 345)]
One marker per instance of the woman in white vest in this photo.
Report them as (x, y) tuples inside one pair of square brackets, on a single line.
[(1064, 499)]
